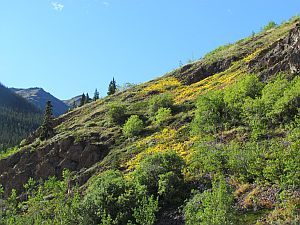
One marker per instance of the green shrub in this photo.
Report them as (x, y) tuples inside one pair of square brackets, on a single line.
[(236, 95), (213, 206), (287, 107), (111, 199), (160, 101), (206, 160), (210, 114), (269, 26), (47, 203), (133, 126), (254, 115), (117, 113), (145, 211), (161, 175), (163, 115)]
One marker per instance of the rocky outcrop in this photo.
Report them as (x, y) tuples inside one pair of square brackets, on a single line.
[(50, 160), (192, 73), (282, 56)]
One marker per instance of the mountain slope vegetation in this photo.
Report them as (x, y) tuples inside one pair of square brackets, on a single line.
[(18, 118), (213, 142)]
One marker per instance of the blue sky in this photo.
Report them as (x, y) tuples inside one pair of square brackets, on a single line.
[(74, 46)]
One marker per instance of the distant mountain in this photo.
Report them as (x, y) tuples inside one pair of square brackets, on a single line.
[(18, 118), (39, 97), (71, 101)]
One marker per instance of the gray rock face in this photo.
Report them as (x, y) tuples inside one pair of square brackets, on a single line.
[(50, 160), (39, 98), (281, 56), (190, 74)]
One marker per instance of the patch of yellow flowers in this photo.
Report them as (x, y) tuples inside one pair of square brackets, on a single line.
[(162, 85), (161, 142)]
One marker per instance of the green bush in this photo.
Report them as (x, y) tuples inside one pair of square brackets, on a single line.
[(108, 198), (207, 160), (163, 115), (254, 115), (133, 126), (269, 26), (145, 211), (279, 103), (161, 175), (287, 107), (48, 203), (236, 95), (111, 199), (117, 113), (210, 114), (213, 206), (160, 101)]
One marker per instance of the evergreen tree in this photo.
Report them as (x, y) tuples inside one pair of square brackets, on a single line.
[(47, 130), (82, 100), (96, 95), (112, 87), (74, 105), (87, 98)]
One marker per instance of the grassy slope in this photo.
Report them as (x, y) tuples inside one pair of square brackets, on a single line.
[(91, 120)]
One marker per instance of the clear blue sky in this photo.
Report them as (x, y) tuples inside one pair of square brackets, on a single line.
[(74, 46)]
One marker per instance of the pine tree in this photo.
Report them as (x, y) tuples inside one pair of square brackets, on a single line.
[(74, 105), (87, 98), (82, 100), (112, 87), (47, 130), (96, 95)]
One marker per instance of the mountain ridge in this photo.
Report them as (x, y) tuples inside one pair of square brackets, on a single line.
[(17, 118), (38, 97)]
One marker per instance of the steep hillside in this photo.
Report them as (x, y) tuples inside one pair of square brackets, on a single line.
[(18, 118), (226, 126), (39, 97)]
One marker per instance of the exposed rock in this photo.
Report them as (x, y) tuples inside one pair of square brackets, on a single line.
[(171, 217), (281, 56), (192, 73), (47, 161)]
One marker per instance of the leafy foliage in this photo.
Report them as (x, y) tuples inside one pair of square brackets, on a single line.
[(211, 113), (52, 202), (133, 126), (213, 206), (162, 176), (116, 113), (115, 200), (160, 101), (163, 115)]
